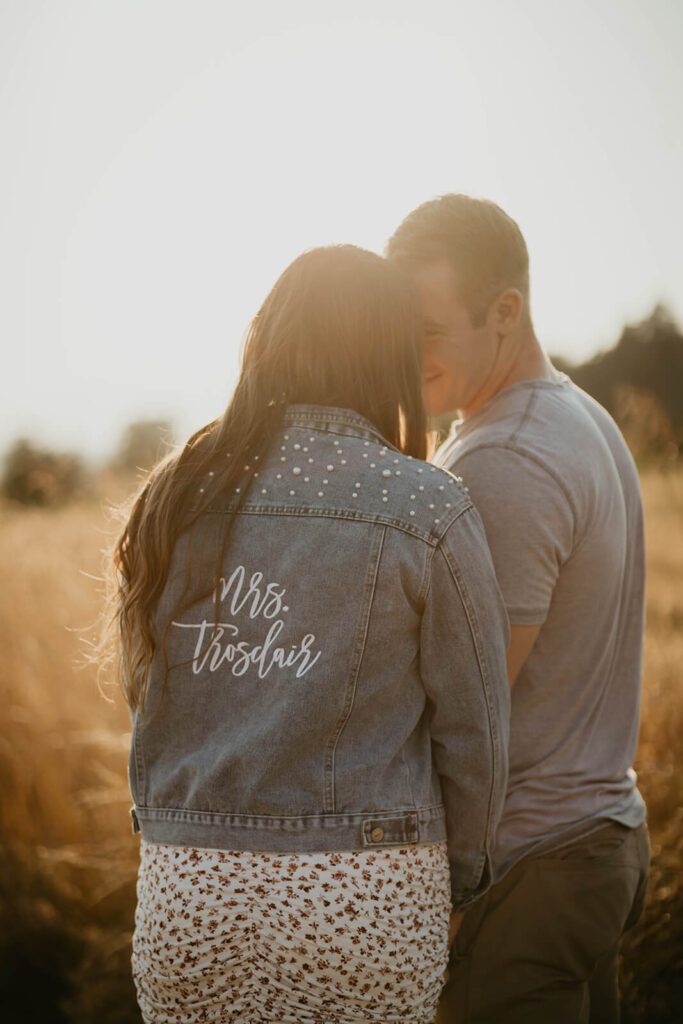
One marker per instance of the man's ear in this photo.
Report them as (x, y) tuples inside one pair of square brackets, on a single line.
[(507, 311)]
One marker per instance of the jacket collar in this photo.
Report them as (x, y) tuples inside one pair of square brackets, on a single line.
[(329, 418)]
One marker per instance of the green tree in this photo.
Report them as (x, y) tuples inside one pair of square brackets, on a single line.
[(143, 443), (37, 476)]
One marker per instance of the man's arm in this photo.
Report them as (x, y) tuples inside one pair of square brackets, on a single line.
[(529, 526)]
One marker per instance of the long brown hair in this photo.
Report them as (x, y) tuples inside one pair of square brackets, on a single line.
[(341, 327)]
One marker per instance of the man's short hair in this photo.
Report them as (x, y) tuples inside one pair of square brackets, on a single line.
[(483, 245)]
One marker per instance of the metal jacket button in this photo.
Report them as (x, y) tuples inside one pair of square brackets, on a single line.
[(377, 835)]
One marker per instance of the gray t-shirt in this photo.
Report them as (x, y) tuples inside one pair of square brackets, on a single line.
[(559, 495)]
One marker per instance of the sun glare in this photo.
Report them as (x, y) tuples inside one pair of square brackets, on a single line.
[(152, 210)]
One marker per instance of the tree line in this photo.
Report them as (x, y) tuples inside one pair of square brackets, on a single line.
[(639, 381)]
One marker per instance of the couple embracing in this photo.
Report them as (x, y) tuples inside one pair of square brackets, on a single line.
[(385, 709)]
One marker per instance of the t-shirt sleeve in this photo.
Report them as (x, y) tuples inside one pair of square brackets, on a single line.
[(529, 525)]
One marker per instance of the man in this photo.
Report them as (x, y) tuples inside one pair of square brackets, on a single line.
[(559, 496)]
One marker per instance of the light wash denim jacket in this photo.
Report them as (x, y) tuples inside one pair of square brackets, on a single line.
[(354, 694)]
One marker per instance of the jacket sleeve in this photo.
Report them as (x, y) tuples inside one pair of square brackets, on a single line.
[(464, 639)]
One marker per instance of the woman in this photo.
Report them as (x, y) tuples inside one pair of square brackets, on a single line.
[(313, 648)]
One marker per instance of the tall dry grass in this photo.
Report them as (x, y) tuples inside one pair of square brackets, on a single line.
[(652, 962), (67, 858), (67, 855)]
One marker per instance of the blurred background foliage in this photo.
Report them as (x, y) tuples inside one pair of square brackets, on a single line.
[(640, 382)]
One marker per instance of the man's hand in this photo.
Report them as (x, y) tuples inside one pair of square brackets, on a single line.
[(455, 922)]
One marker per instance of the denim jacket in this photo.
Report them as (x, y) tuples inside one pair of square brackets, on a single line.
[(353, 693)]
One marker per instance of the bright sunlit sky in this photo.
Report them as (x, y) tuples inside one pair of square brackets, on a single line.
[(161, 161)]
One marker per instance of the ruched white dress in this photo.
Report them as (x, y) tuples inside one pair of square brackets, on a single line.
[(313, 938)]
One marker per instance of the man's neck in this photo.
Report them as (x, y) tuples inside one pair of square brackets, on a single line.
[(529, 363)]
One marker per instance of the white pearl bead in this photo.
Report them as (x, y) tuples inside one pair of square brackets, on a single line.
[(263, 490), (354, 495), (297, 447), (412, 512), (292, 493), (386, 472), (296, 470), (330, 468), (320, 494), (385, 499)]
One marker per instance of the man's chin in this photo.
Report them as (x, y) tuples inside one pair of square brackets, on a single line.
[(433, 402), (435, 405)]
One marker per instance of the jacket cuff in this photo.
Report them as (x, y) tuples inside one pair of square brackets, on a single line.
[(463, 899)]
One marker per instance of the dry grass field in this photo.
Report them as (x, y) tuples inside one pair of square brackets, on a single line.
[(67, 855)]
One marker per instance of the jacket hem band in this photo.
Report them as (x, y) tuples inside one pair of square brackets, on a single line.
[(305, 834)]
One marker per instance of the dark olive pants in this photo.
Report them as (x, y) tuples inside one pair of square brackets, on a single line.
[(541, 946)]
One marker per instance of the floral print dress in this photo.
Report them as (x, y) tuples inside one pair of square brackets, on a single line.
[(312, 938)]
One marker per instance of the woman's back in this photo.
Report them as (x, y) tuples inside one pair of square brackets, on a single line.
[(294, 710)]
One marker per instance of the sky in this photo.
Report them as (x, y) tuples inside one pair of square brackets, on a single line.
[(162, 161)]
